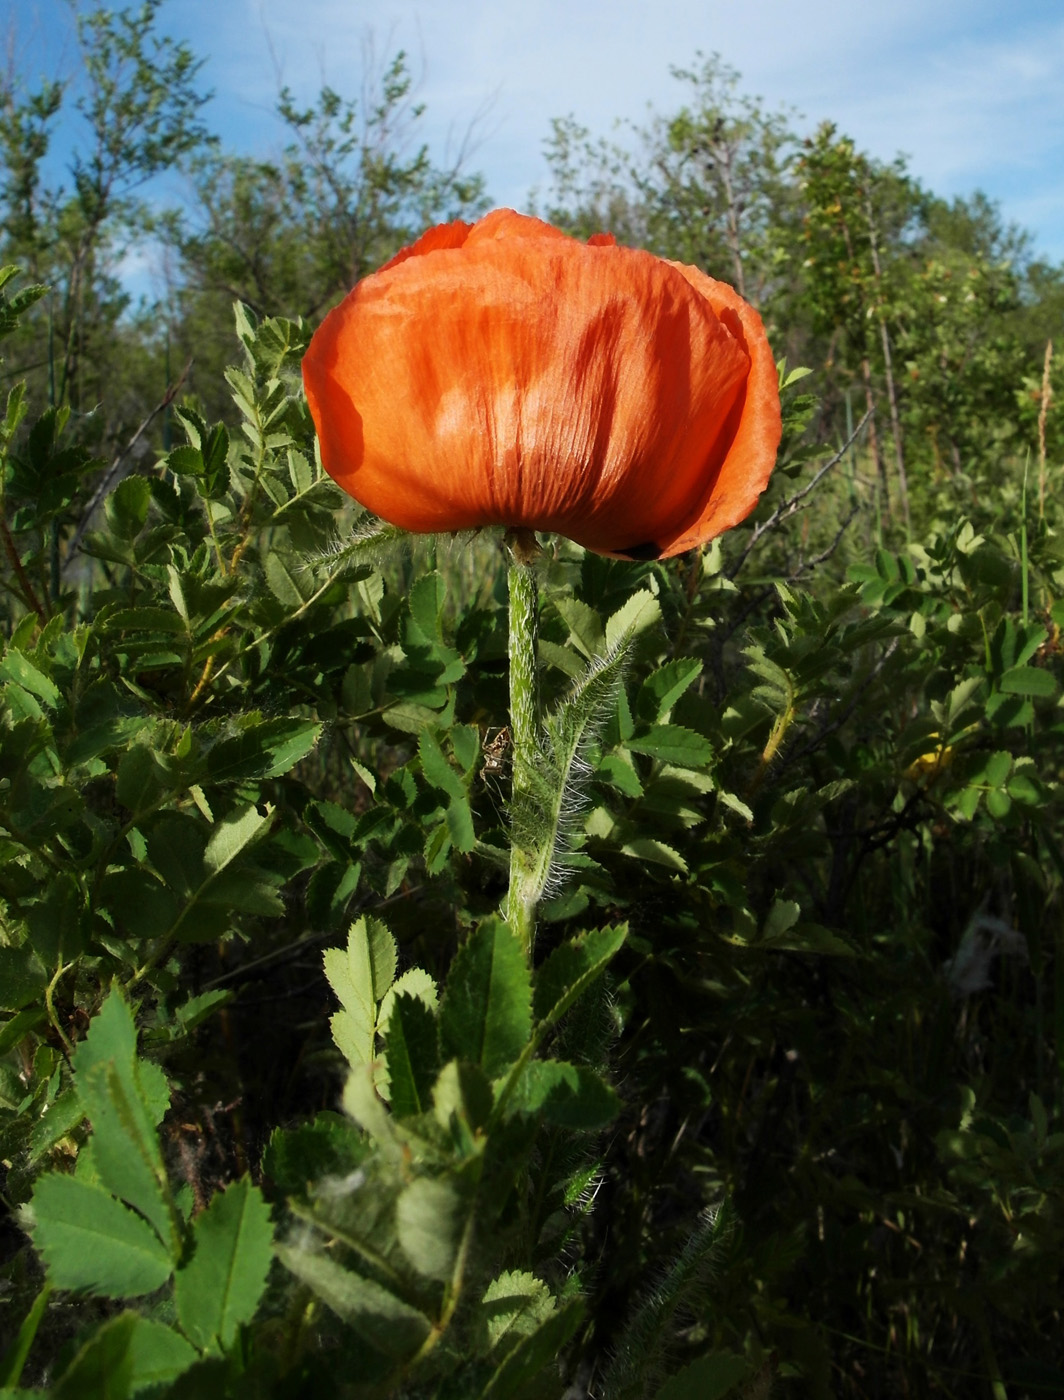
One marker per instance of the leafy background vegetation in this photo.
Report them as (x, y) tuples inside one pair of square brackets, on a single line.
[(284, 1110)]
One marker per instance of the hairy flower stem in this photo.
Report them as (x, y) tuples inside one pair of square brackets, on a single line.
[(523, 894)]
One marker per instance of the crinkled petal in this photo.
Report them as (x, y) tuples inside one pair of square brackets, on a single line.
[(504, 373)]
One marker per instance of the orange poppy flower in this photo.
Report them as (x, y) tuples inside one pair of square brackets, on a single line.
[(503, 373)]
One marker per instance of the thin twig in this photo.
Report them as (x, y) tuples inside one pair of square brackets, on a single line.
[(825, 554), (1043, 413), (839, 719), (789, 507), (118, 468), (29, 597)]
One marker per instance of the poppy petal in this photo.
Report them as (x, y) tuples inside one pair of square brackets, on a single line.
[(504, 373)]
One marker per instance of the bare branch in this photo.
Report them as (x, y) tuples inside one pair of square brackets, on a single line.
[(789, 507), (119, 467)]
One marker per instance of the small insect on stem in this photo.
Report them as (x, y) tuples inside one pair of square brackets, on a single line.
[(497, 754)]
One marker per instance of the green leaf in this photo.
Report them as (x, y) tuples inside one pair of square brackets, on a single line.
[(572, 968), (266, 750), (103, 1368), (22, 977), (486, 1012), (656, 852), (462, 1101), (585, 626), (91, 1241), (379, 1317), (220, 1287), (661, 690), (514, 1305), (671, 743), (126, 508), (15, 667), (416, 982), (534, 1353), (326, 1146), (158, 1354), (233, 835), (121, 1097), (410, 1054), (288, 579), (427, 598), (141, 779), (1028, 680), (186, 461), (572, 1096), (620, 775), (126, 1355), (640, 612), (439, 773), (429, 1224), (360, 976), (63, 1115), (998, 767), (709, 1378)]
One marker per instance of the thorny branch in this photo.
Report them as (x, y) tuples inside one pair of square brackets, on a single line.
[(789, 507), (118, 467)]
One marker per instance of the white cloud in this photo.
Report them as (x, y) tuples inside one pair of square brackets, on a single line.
[(971, 90)]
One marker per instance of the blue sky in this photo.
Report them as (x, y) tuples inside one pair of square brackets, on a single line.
[(972, 91)]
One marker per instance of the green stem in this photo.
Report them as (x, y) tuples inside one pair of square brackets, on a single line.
[(522, 896), (15, 1360)]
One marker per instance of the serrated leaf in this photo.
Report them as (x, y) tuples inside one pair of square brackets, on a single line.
[(362, 1103), (410, 1055), (416, 982), (639, 613), (1028, 680), (534, 1353), (486, 1012), (429, 1225), (140, 778), (288, 579), (439, 773), (125, 1147), (572, 968), (709, 1378), (729, 799), (16, 667), (93, 1242), (562, 658), (102, 1369), (124, 1098), (620, 775), (783, 915), (360, 975), (186, 461), (661, 690), (998, 767), (427, 598), (220, 1287), (379, 1317), (266, 750), (233, 835), (22, 977), (656, 852), (584, 623), (571, 1096), (462, 1099), (672, 743), (514, 1305), (126, 508)]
